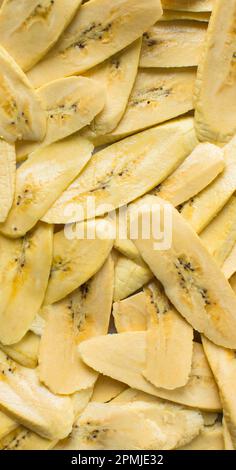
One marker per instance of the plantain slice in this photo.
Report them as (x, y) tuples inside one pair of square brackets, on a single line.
[(191, 278), (130, 276), (215, 89), (38, 324), (23, 287), (131, 314), (7, 177), (173, 44), (99, 30), (41, 179), (69, 322), (24, 439), (229, 266), (25, 352), (123, 356), (228, 445), (21, 116), (7, 425), (77, 259), (28, 29), (169, 345), (210, 438), (188, 5), (223, 364), (31, 404), (106, 389), (111, 176), (169, 15)]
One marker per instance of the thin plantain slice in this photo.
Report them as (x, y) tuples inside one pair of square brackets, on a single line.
[(169, 345), (7, 177), (173, 44), (191, 278), (41, 180), (106, 389), (77, 258), (69, 322), (130, 276), (23, 287), (210, 438), (100, 29), (24, 439), (228, 445), (123, 356), (21, 116), (25, 352), (131, 314), (229, 266), (215, 90), (188, 5), (28, 29), (169, 15), (111, 176), (7, 425)]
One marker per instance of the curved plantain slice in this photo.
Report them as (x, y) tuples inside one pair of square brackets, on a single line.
[(25, 352), (130, 276), (123, 356), (188, 5), (110, 180), (210, 438), (21, 116), (131, 314), (228, 445), (106, 389), (169, 15), (24, 439), (173, 44), (28, 29), (229, 267), (31, 404), (7, 425), (41, 179), (69, 322), (191, 278), (215, 90), (77, 259), (7, 178), (99, 30)]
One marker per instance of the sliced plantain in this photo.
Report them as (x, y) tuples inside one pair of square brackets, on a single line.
[(210, 438), (25, 352), (188, 5), (173, 44), (38, 324), (100, 29), (228, 445), (215, 89), (169, 15), (7, 177), (7, 425), (130, 276), (131, 314), (28, 29), (24, 439), (106, 389), (229, 266)]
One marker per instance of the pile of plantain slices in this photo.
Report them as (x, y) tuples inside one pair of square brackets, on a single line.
[(115, 112)]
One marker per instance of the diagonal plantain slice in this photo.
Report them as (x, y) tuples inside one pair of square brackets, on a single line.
[(7, 178), (130, 276), (106, 389), (210, 438), (24, 439), (28, 29), (131, 314), (215, 89), (25, 352), (41, 180), (122, 357), (110, 180), (98, 31), (169, 15), (7, 425), (188, 5)]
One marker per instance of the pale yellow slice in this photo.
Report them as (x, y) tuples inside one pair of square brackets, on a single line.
[(130, 276), (25, 352), (7, 178), (131, 314)]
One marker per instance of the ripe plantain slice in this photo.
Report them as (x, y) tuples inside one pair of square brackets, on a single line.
[(77, 259), (215, 90), (123, 356), (28, 261), (24, 439), (173, 44), (7, 425), (41, 180), (99, 30), (188, 5), (131, 314), (31, 404), (106, 389), (69, 322), (25, 352), (130, 276), (191, 278), (7, 177), (28, 29), (210, 438), (110, 179)]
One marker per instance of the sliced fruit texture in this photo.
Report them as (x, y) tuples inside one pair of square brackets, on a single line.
[(28, 29), (131, 314), (21, 115), (130, 276), (229, 266), (7, 177), (210, 438), (188, 5), (7, 425), (38, 324), (169, 15), (228, 445), (215, 90), (106, 389), (25, 352), (24, 439)]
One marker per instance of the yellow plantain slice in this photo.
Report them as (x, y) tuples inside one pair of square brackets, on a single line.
[(7, 178), (106, 389), (25, 352), (215, 91), (7, 425), (229, 266), (24, 439), (191, 278), (173, 44), (23, 288), (188, 5), (169, 342), (131, 314), (210, 438), (110, 180), (75, 259), (169, 15), (28, 29), (123, 356), (130, 276), (41, 180), (21, 116), (228, 445), (99, 30)]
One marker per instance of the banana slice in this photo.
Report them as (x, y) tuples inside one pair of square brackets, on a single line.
[(98, 31), (28, 29), (110, 180), (210, 438), (24, 439), (229, 266), (25, 352), (21, 116), (69, 322), (169, 15), (228, 445), (169, 342), (188, 5), (7, 425), (23, 288), (192, 280), (215, 90), (123, 356), (106, 389), (173, 44), (77, 259), (130, 276), (131, 314), (7, 177), (41, 180), (38, 324), (31, 404)]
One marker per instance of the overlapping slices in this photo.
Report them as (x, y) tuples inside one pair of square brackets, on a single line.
[(7, 177), (25, 352), (99, 30), (229, 266), (192, 5), (106, 389), (169, 15), (129, 277), (131, 314)]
